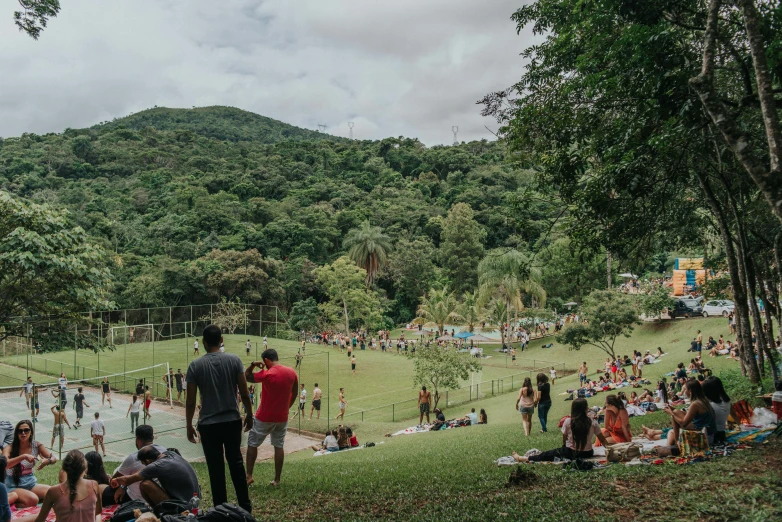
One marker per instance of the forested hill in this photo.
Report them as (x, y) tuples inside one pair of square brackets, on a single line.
[(222, 123), (181, 201)]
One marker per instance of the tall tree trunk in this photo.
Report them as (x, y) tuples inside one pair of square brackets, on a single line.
[(749, 365), (608, 269), (757, 321), (347, 320), (769, 181), (768, 331)]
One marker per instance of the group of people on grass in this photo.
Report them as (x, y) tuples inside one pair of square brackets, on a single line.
[(155, 473), (695, 428)]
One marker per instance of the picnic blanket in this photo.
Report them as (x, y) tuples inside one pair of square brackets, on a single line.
[(105, 515), (324, 452)]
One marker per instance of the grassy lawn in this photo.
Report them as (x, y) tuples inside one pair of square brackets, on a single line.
[(450, 476)]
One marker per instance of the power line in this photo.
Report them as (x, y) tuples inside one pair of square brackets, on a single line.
[(321, 127)]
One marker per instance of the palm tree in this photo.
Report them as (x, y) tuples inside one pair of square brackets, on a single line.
[(470, 309), (508, 276), (439, 307), (368, 247)]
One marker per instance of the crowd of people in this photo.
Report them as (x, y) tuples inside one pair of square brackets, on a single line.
[(155, 473)]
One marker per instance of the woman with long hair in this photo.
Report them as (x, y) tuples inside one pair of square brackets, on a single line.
[(22, 454), (687, 428), (526, 405), (577, 433), (662, 392), (97, 472), (543, 400), (482, 418), (133, 410), (720, 403), (617, 421), (76, 499)]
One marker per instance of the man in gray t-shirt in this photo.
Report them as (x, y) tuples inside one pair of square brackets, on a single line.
[(6, 434), (176, 479), (217, 376)]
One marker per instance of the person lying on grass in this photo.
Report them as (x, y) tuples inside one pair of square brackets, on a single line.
[(577, 434)]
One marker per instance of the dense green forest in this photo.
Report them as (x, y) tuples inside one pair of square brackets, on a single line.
[(195, 205)]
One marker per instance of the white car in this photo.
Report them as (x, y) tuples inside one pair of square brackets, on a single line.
[(716, 308)]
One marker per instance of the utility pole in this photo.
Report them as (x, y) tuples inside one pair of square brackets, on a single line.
[(350, 125), (455, 130), (321, 127)]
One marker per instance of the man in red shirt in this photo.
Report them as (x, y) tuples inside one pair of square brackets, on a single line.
[(279, 389)]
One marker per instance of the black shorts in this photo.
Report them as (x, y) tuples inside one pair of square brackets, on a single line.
[(353, 366), (179, 387), (301, 405), (316, 404)]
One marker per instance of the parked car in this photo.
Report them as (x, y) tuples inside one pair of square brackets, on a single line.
[(685, 307), (716, 308)]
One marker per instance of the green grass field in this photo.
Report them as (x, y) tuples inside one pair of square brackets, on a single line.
[(450, 476)]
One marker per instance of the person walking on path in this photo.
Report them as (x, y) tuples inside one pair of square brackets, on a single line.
[(424, 403), (217, 375), (278, 393)]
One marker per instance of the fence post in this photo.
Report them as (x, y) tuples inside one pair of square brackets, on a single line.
[(362, 415), (446, 398), (492, 387), (393, 417)]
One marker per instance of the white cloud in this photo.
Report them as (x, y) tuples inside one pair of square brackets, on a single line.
[(396, 68)]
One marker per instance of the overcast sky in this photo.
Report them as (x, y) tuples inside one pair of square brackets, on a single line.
[(394, 67)]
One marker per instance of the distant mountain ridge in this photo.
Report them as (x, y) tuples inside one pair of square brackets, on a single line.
[(219, 122)]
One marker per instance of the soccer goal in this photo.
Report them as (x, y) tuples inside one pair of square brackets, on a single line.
[(139, 333)]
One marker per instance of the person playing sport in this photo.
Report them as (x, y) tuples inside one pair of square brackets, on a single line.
[(105, 390), (168, 379), (98, 430), (247, 346), (317, 394), (424, 403), (58, 430), (79, 402), (147, 401), (353, 364), (178, 379), (302, 402), (343, 403), (27, 390), (195, 347)]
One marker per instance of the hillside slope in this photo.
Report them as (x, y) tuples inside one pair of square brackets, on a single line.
[(222, 123)]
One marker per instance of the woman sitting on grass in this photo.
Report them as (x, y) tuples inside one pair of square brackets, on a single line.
[(617, 421), (577, 433), (97, 472), (687, 427), (22, 454), (76, 499), (720, 403)]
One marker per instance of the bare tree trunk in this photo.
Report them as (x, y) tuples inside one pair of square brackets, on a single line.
[(748, 365), (347, 320), (757, 321), (769, 181), (608, 269)]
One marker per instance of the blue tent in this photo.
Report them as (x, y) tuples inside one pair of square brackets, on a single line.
[(463, 335)]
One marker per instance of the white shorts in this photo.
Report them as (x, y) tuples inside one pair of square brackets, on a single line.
[(260, 430)]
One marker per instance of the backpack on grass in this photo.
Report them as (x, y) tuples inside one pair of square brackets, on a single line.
[(125, 511)]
